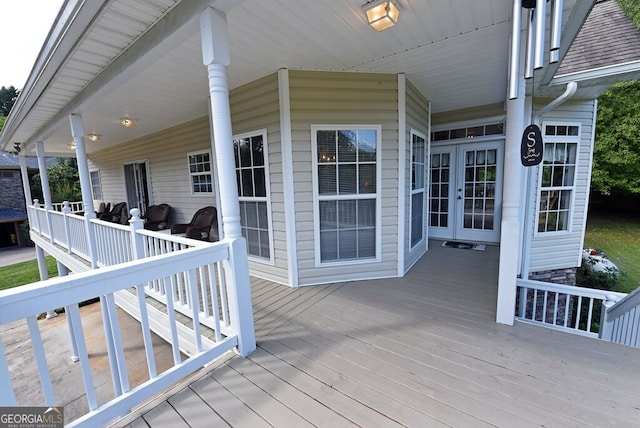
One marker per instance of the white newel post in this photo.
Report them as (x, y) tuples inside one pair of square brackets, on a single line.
[(63, 271), (46, 190), (66, 210), (77, 131), (36, 205), (510, 235), (215, 56), (606, 325), (137, 243)]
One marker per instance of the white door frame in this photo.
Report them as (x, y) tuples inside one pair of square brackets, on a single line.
[(455, 198)]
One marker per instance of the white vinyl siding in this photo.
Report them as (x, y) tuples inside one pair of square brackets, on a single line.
[(560, 250), (417, 122), (344, 98), (255, 106), (168, 173)]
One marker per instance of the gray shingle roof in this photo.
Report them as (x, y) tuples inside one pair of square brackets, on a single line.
[(11, 161), (608, 37), (8, 214)]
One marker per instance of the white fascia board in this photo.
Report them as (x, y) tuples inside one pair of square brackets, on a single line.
[(598, 73)]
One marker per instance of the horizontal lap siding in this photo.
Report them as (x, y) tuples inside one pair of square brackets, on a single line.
[(322, 98), (166, 154), (417, 117), (255, 106), (563, 250)]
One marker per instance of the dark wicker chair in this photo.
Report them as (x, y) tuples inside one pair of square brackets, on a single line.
[(200, 225), (157, 217), (117, 214)]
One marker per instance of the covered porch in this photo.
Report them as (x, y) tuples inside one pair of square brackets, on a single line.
[(423, 350)]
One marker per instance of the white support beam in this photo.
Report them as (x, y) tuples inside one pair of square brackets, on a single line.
[(44, 176), (510, 235), (77, 131), (215, 56)]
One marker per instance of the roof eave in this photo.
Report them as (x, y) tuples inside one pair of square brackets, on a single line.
[(73, 19)]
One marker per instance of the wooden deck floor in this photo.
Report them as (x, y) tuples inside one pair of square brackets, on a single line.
[(420, 351)]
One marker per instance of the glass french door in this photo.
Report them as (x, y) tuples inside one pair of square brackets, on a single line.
[(466, 190), (137, 186)]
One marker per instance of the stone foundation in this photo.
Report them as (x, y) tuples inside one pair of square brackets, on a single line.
[(556, 276)]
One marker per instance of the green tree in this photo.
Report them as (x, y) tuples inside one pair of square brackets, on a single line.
[(2, 120), (64, 181), (8, 97), (616, 158)]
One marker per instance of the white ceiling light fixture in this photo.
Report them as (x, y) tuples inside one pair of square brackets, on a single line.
[(382, 14), (128, 122), (94, 137), (71, 145)]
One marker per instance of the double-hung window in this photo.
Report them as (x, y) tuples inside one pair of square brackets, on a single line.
[(347, 192), (557, 177), (200, 172), (418, 153), (96, 185), (252, 176)]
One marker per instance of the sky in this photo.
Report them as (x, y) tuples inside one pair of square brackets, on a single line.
[(25, 25)]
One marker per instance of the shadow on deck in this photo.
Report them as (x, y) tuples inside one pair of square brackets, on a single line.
[(423, 350)]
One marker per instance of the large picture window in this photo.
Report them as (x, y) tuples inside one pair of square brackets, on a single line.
[(346, 176), (418, 156), (557, 178), (253, 182), (200, 172)]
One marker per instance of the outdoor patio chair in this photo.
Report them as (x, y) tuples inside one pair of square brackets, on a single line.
[(200, 225), (157, 217), (117, 214)]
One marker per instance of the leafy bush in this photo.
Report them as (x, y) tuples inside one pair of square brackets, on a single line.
[(605, 279)]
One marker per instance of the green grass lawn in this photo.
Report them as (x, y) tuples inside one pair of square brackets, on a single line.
[(619, 237), (25, 273)]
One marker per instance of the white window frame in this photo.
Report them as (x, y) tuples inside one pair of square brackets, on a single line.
[(267, 198), (423, 189), (317, 197), (93, 185), (565, 139), (199, 174)]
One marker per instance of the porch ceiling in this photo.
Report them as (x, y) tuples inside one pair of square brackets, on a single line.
[(142, 58)]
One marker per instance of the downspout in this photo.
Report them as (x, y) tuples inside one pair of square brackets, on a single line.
[(531, 188)]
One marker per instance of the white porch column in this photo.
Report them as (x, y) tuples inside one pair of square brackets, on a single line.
[(46, 190), (510, 236), (44, 176), (77, 131), (215, 56), (44, 275)]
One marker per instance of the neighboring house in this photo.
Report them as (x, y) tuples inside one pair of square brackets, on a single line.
[(13, 211), (338, 151)]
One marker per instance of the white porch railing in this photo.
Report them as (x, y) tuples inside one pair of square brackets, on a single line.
[(621, 320), (76, 207), (24, 303), (573, 309)]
